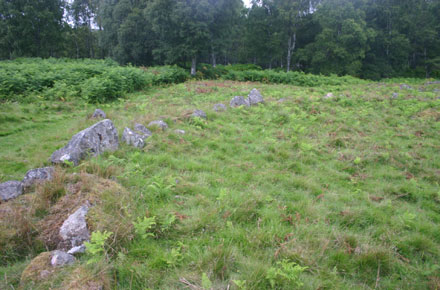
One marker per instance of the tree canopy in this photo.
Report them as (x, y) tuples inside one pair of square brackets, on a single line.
[(365, 38)]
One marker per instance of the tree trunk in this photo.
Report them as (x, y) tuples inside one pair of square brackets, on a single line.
[(193, 66), (290, 47), (214, 63)]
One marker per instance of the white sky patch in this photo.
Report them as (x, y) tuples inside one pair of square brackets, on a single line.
[(247, 3)]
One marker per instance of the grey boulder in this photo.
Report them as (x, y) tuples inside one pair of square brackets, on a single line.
[(94, 140), (159, 123), (255, 98), (405, 87), (60, 258), (10, 190), (99, 114), (199, 114), (74, 229), (220, 108), (37, 175), (238, 101), (133, 139)]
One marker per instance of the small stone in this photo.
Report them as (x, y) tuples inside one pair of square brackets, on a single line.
[(220, 108), (10, 190), (405, 87), (142, 130), (282, 100), (37, 175), (238, 101), (74, 229), (255, 98), (199, 114), (99, 114), (77, 250), (329, 96), (132, 138), (178, 131), (395, 95), (60, 258), (159, 123)]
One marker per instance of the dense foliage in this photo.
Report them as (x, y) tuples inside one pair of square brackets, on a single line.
[(92, 80), (364, 38)]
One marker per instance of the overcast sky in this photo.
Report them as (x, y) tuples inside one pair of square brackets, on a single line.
[(247, 3)]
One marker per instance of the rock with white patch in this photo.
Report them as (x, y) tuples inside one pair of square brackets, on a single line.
[(77, 250), (255, 98), (74, 230), (94, 140), (37, 175), (238, 101), (10, 189), (133, 139), (158, 123)]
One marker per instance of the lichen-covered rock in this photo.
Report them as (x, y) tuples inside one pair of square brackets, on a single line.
[(10, 190), (141, 129), (74, 230), (220, 108), (61, 258), (99, 114), (37, 175), (199, 114), (238, 101), (94, 140), (133, 139), (159, 123), (255, 98)]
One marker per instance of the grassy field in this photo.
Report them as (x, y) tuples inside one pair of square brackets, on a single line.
[(303, 192)]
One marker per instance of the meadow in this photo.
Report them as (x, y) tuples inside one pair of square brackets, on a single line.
[(303, 192)]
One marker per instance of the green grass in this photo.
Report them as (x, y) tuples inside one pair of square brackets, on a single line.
[(347, 187)]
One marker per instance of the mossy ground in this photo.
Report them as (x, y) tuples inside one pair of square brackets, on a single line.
[(347, 187)]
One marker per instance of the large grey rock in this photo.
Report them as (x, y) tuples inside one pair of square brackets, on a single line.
[(238, 101), (99, 114), (141, 129), (159, 123), (37, 175), (60, 258), (133, 139), (10, 190), (94, 140), (255, 98), (199, 114), (74, 229), (220, 108)]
